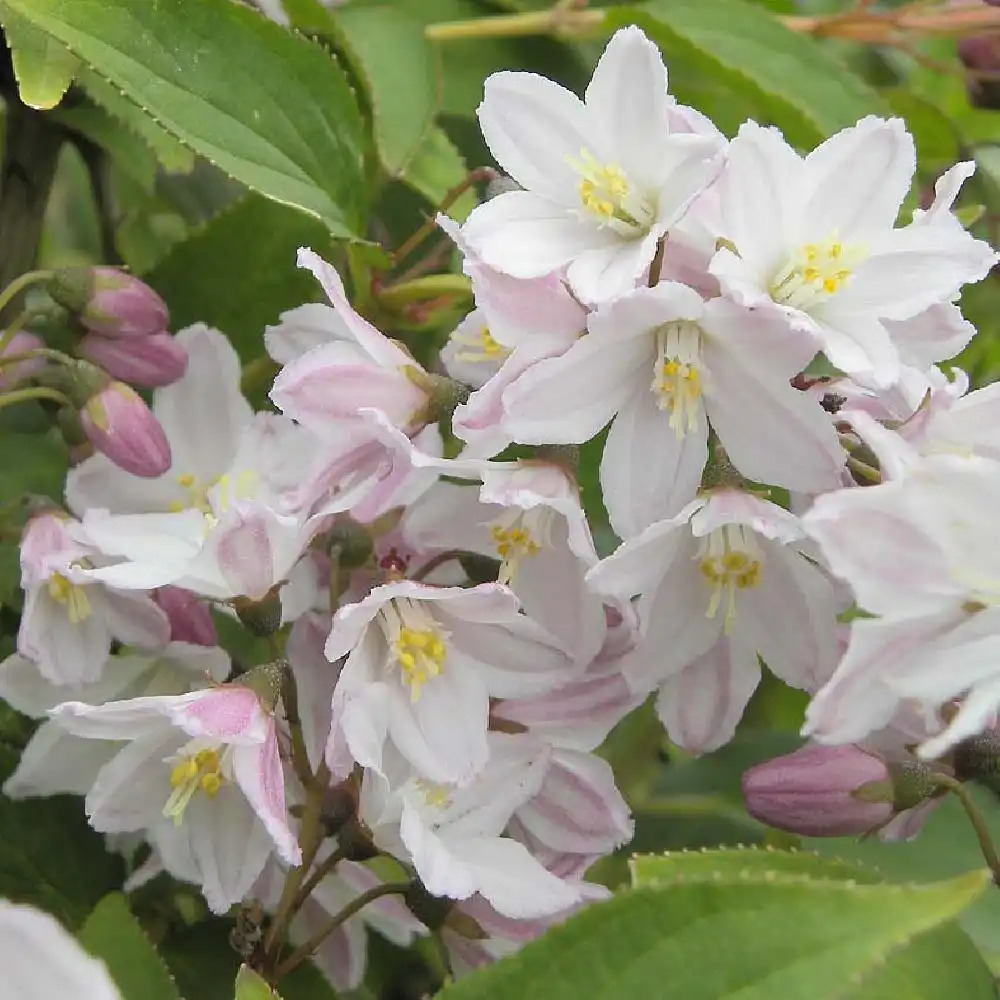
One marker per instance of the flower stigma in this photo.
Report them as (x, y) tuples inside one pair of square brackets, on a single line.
[(730, 561), (72, 596), (677, 381), (191, 773), (815, 272), (416, 643)]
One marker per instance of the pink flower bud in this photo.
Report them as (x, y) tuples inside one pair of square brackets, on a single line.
[(110, 302), (120, 424), (149, 362), (813, 791), (190, 617), (20, 343)]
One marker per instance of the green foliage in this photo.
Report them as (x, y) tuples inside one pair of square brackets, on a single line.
[(44, 68), (436, 168), (745, 931), (788, 80), (238, 271), (250, 986), (269, 108), (113, 934)]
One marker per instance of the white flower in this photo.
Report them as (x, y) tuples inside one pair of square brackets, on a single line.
[(664, 365), (454, 835), (815, 237), (921, 553), (200, 775), (719, 584), (422, 664), (603, 178)]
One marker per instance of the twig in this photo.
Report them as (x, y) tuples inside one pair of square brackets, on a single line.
[(976, 819)]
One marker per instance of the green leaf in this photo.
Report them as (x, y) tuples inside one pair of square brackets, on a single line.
[(752, 940), (238, 272), (49, 856), (791, 79), (173, 155), (44, 68), (112, 934), (270, 108), (251, 986), (437, 168), (401, 74)]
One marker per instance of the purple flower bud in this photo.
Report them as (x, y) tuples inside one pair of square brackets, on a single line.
[(20, 343), (190, 617), (120, 424), (814, 791), (110, 302), (148, 362)]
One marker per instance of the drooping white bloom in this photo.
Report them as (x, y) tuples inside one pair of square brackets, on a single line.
[(69, 620), (454, 834), (41, 960), (723, 582), (603, 179), (814, 237), (664, 365), (422, 664), (200, 775), (922, 554), (54, 761)]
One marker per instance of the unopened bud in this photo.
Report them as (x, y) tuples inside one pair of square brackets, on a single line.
[(110, 302), (189, 615), (978, 759), (821, 791), (263, 617), (119, 424), (149, 362), (20, 343), (350, 543)]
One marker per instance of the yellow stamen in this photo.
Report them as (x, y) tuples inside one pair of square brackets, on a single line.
[(731, 561), (416, 642), (605, 192), (483, 347), (72, 596), (815, 272), (193, 772), (677, 380)]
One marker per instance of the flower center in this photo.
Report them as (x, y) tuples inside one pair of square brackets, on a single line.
[(677, 381), (193, 772), (416, 643), (435, 795), (607, 195), (517, 535), (72, 596), (815, 272), (481, 347), (730, 561)]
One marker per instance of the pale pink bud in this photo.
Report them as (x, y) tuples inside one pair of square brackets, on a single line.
[(20, 343), (110, 302), (120, 424), (190, 617), (149, 362), (814, 791)]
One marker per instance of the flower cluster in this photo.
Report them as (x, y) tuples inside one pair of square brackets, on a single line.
[(755, 339)]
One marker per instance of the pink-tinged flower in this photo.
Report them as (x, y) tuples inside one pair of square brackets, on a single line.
[(664, 366), (315, 677), (453, 835), (577, 811), (527, 515), (814, 239), (21, 343), (120, 425), (363, 368), (42, 960), (69, 620), (190, 616), (120, 305), (54, 762), (721, 584), (814, 791), (201, 775), (603, 179), (220, 449), (148, 362), (343, 955), (917, 553), (422, 664)]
